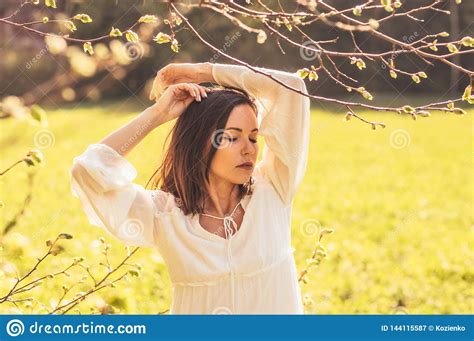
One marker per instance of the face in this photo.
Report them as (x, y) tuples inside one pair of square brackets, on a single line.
[(238, 145)]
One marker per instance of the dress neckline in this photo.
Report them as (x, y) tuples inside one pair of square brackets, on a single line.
[(212, 236)]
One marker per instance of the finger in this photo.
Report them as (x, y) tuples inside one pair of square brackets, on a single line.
[(197, 91), (191, 90), (202, 91)]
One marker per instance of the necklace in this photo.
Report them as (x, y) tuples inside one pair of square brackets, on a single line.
[(229, 223)]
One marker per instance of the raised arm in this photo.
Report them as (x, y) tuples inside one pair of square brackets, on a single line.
[(284, 123), (102, 178)]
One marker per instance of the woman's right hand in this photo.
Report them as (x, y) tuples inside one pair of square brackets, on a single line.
[(177, 97)]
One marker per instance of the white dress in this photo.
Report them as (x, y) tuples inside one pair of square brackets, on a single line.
[(252, 272)]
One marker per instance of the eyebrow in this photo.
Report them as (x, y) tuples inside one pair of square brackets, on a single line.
[(238, 129)]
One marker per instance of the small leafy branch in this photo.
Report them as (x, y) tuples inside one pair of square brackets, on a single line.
[(33, 158), (256, 17), (321, 12), (112, 276), (319, 253)]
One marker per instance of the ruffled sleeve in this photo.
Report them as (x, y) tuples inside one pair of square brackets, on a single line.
[(102, 179), (284, 123)]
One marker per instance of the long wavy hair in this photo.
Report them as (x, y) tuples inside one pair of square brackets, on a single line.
[(186, 164)]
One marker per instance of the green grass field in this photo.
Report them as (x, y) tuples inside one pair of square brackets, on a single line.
[(399, 200)]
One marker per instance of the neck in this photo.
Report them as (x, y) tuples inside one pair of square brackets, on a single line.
[(223, 197)]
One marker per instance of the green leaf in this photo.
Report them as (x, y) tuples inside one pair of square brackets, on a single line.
[(387, 4), (452, 48), (29, 162), (443, 34), (88, 48), (467, 95), (367, 95), (287, 24), (65, 236), (178, 21), (134, 273), (415, 78), (115, 32), (132, 36), (38, 114), (56, 250), (433, 46), (303, 73), (468, 41), (70, 25), (85, 18), (422, 74), (357, 11), (175, 46), (148, 19), (393, 74), (313, 76), (373, 23), (50, 3), (36, 156), (297, 19), (358, 62), (161, 38), (450, 105), (408, 109)]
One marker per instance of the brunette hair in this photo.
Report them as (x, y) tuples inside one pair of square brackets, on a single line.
[(185, 168)]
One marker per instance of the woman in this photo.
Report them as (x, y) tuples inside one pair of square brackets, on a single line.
[(220, 221)]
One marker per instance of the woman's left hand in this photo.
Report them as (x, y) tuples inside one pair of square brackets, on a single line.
[(175, 73)]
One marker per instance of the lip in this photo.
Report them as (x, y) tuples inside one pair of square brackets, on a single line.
[(246, 165)]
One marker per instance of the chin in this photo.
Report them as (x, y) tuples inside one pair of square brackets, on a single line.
[(242, 181)]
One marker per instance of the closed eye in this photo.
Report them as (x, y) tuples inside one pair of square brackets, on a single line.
[(235, 139)]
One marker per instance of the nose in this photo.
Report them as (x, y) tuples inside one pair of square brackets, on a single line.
[(248, 148)]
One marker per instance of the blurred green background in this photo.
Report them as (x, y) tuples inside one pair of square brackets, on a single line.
[(399, 199)]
